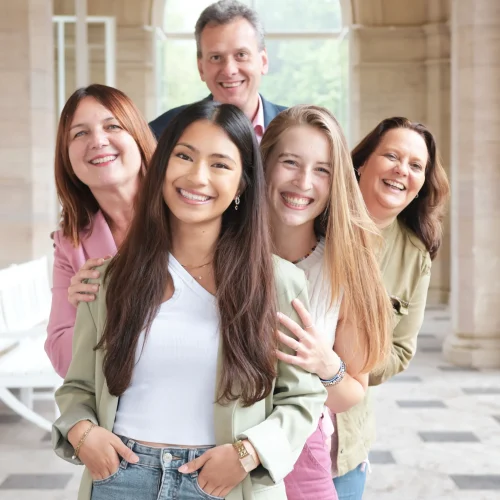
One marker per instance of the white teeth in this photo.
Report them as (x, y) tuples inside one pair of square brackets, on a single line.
[(192, 196), (103, 160), (395, 184), (231, 85), (298, 202)]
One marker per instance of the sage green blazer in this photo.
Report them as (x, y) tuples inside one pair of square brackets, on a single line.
[(277, 426), (406, 271)]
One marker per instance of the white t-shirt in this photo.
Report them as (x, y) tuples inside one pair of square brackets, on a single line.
[(325, 317), (172, 392)]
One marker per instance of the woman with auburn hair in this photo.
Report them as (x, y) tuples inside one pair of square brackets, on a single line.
[(320, 223), (103, 148), (406, 190), (174, 390)]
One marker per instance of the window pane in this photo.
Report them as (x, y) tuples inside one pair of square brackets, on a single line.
[(308, 72), (277, 15), (181, 83), (300, 15), (181, 15)]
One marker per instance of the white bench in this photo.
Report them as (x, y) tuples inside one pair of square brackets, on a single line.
[(25, 301)]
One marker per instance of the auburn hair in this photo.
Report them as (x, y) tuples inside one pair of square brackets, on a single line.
[(77, 201), (242, 265), (351, 237), (424, 215)]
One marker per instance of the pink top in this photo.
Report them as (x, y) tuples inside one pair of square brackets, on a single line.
[(67, 262), (258, 121)]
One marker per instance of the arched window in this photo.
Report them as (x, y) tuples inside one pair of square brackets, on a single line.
[(307, 48)]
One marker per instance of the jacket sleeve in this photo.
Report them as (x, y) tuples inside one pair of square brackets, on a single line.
[(404, 336), (62, 313), (76, 397), (298, 401)]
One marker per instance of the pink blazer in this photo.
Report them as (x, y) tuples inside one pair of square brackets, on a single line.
[(67, 262)]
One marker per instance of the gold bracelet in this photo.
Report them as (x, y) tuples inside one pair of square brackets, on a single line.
[(82, 439)]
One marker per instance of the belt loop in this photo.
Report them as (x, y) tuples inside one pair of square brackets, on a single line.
[(130, 444), (192, 454)]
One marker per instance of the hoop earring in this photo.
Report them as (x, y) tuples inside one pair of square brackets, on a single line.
[(236, 202), (416, 196)]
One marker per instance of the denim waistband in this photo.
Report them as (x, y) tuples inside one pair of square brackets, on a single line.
[(167, 457)]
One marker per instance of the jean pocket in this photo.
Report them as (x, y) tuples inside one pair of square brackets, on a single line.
[(318, 456), (202, 492), (112, 477)]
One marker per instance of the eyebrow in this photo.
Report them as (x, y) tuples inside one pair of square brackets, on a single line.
[(213, 155), (232, 51), (400, 150), (83, 124), (300, 157)]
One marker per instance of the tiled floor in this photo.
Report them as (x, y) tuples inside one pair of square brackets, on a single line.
[(438, 436)]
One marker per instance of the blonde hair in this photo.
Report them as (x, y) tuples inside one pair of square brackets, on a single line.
[(351, 237)]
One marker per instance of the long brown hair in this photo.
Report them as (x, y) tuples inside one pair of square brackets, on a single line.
[(424, 215), (78, 203), (350, 234), (242, 263)]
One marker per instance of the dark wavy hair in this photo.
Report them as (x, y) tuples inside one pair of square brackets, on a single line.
[(424, 215), (243, 269)]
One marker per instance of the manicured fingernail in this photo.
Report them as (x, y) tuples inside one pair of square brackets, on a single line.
[(183, 468), (280, 315)]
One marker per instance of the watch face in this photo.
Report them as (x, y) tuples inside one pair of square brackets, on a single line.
[(248, 463)]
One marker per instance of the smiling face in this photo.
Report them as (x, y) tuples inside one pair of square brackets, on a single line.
[(102, 154), (203, 174), (298, 173), (231, 64), (394, 173)]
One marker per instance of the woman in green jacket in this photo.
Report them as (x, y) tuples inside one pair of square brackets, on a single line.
[(405, 189), (174, 390)]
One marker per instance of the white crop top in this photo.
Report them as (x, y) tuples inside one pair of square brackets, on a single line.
[(325, 317), (172, 391)]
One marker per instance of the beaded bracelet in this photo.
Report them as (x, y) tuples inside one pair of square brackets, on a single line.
[(337, 378), (82, 439)]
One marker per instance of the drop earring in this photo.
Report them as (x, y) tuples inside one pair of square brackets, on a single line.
[(236, 202)]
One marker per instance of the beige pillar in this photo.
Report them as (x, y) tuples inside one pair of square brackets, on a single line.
[(438, 120), (27, 117), (388, 75), (475, 214)]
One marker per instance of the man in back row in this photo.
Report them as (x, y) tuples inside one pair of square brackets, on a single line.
[(232, 58)]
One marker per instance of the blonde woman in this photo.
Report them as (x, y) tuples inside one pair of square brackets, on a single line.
[(320, 223)]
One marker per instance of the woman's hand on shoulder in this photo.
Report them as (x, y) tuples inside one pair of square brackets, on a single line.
[(313, 352), (79, 291), (101, 450)]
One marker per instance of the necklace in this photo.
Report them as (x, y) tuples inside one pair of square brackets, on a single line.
[(187, 268), (307, 254)]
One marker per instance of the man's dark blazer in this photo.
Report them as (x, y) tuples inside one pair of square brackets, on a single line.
[(158, 125)]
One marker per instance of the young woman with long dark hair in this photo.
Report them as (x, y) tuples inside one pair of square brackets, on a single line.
[(174, 390)]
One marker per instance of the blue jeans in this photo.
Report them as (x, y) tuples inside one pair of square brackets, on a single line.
[(154, 477), (351, 486)]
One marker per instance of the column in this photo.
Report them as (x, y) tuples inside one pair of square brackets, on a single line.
[(438, 120), (388, 75), (475, 175), (28, 203)]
